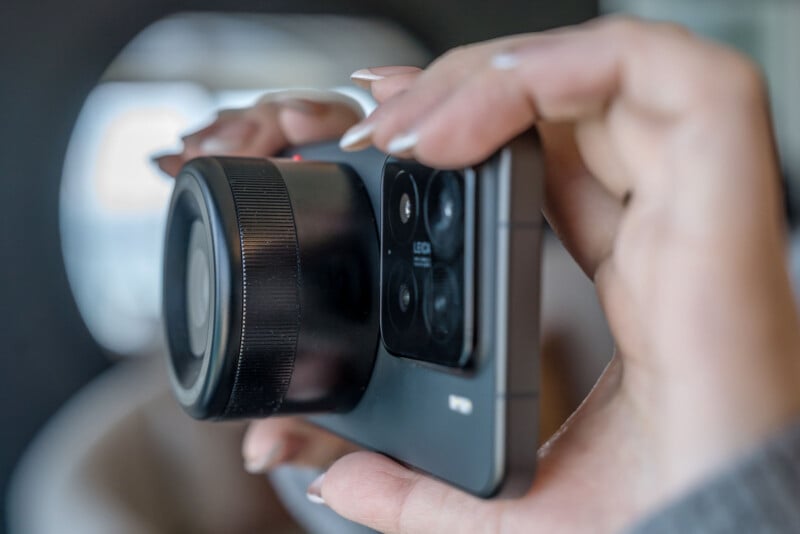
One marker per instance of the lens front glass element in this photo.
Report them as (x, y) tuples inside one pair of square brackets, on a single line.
[(198, 289)]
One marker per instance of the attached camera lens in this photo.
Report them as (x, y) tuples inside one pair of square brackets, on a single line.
[(241, 236), (442, 308), (404, 200), (444, 213), (402, 296)]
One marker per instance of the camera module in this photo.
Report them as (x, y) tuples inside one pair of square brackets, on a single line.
[(426, 291)]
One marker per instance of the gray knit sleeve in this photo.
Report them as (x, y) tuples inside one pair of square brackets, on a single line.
[(761, 493)]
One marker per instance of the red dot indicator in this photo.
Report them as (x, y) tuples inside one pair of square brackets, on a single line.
[(297, 157)]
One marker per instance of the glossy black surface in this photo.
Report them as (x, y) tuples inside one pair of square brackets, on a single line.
[(424, 275)]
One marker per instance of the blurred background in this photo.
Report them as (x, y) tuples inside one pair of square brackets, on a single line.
[(91, 90)]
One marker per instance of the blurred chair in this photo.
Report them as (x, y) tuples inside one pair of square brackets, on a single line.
[(122, 457)]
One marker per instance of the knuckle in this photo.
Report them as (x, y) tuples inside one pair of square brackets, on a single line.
[(738, 81), (624, 27), (674, 30), (747, 75), (452, 56), (631, 31)]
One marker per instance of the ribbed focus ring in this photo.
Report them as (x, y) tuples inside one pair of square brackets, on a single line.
[(270, 271)]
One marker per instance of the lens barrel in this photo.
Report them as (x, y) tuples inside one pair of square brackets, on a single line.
[(271, 281)]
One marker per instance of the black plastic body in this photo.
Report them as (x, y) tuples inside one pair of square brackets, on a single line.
[(475, 428)]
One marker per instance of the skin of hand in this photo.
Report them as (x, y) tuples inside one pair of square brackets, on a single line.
[(662, 181), (275, 122)]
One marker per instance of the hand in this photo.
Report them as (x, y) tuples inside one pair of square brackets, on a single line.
[(277, 121), (662, 182)]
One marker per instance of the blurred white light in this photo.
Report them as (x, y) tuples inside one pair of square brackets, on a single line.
[(113, 206), (123, 175)]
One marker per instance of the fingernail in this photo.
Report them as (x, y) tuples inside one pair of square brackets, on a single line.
[(314, 491), (505, 61), (402, 143), (357, 137), (262, 463), (366, 75), (364, 78)]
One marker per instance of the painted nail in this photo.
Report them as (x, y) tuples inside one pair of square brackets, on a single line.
[(314, 491), (366, 75), (261, 464), (402, 143), (357, 137), (505, 61), (364, 78)]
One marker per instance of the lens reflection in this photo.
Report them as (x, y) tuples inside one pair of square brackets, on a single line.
[(402, 296), (403, 214), (442, 303), (444, 213), (198, 289)]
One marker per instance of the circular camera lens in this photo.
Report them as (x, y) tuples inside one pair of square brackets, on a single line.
[(403, 296), (403, 201), (241, 236), (444, 213), (406, 208), (442, 309), (198, 289)]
